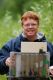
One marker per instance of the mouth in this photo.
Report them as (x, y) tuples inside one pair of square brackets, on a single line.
[(31, 32)]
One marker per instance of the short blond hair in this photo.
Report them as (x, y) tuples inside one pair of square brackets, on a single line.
[(30, 15)]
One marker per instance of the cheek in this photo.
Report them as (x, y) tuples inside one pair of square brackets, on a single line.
[(24, 29), (37, 28)]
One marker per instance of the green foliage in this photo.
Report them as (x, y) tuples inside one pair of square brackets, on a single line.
[(3, 77), (9, 29), (15, 8)]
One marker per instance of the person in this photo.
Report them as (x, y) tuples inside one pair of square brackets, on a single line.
[(30, 33)]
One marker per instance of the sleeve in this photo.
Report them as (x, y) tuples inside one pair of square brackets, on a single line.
[(50, 49), (51, 56), (4, 54)]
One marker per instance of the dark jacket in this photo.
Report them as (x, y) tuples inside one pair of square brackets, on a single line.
[(15, 45)]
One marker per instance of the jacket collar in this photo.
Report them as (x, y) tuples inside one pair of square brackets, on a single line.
[(38, 36)]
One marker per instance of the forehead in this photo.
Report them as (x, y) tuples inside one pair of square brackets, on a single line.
[(29, 21)]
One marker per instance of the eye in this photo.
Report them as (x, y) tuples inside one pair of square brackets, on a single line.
[(27, 25), (33, 24)]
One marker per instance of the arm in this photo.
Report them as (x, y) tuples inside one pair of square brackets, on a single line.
[(4, 54)]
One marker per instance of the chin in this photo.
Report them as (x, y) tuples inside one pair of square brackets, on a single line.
[(30, 35)]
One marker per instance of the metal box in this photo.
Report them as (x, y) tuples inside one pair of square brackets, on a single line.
[(30, 65)]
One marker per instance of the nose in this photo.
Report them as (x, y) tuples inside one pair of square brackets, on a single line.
[(30, 26)]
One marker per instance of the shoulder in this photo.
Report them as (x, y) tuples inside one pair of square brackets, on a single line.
[(14, 40)]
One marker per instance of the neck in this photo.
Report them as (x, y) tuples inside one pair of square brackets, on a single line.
[(31, 38)]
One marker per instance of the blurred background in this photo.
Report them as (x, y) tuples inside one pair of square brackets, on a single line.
[(11, 12)]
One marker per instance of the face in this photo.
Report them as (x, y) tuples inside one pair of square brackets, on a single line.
[(30, 28)]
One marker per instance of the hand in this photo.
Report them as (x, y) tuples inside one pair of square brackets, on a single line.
[(51, 70), (10, 61)]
